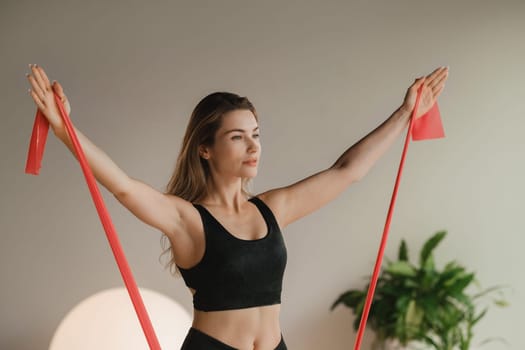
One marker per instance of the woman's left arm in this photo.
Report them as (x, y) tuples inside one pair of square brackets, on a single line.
[(307, 195), (357, 160)]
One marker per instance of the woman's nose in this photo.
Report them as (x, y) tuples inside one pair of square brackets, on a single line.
[(253, 146)]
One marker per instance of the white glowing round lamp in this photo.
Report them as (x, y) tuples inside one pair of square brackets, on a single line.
[(107, 321)]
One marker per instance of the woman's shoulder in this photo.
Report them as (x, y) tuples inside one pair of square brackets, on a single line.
[(272, 199)]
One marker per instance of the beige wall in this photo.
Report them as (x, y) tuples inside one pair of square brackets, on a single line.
[(322, 75)]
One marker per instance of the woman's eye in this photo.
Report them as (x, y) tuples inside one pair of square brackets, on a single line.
[(238, 137)]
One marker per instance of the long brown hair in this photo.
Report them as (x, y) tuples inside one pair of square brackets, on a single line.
[(189, 179)]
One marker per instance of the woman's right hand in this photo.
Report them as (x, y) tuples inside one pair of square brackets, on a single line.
[(43, 95)]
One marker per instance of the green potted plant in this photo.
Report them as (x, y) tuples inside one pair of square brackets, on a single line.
[(415, 305)]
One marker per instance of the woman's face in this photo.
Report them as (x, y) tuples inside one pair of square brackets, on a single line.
[(237, 149)]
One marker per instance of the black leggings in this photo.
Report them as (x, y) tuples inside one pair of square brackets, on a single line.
[(198, 340)]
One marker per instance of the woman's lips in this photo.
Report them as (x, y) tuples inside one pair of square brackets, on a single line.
[(251, 163)]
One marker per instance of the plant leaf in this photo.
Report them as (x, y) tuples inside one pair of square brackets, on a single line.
[(488, 290), (480, 316), (501, 303), (427, 339), (460, 284), (403, 251), (429, 265), (414, 314), (359, 311), (401, 268), (351, 299), (429, 246), (449, 266)]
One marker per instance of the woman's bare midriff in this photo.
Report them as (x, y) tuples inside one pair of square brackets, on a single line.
[(255, 328)]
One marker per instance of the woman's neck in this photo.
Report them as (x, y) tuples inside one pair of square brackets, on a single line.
[(227, 195)]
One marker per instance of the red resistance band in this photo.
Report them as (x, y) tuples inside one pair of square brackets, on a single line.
[(428, 126), (34, 158)]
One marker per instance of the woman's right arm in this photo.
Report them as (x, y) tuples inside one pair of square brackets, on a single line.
[(104, 169), (151, 206)]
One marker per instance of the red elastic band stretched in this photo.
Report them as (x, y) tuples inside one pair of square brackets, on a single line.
[(33, 164), (425, 127)]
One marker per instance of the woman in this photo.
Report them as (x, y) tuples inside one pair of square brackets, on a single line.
[(226, 243)]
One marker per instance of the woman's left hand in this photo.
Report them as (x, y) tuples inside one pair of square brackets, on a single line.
[(433, 84)]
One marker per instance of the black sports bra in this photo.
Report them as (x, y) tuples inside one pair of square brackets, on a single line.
[(235, 273)]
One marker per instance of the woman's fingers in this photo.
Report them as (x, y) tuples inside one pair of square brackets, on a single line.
[(417, 84), (44, 77), (60, 92), (438, 90), (58, 89), (38, 78), (37, 100), (435, 73), (439, 83), (36, 88), (427, 92), (437, 76)]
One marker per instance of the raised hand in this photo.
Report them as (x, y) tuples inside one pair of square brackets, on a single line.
[(42, 93), (433, 85)]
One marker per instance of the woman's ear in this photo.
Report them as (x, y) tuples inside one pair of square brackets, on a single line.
[(203, 152)]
